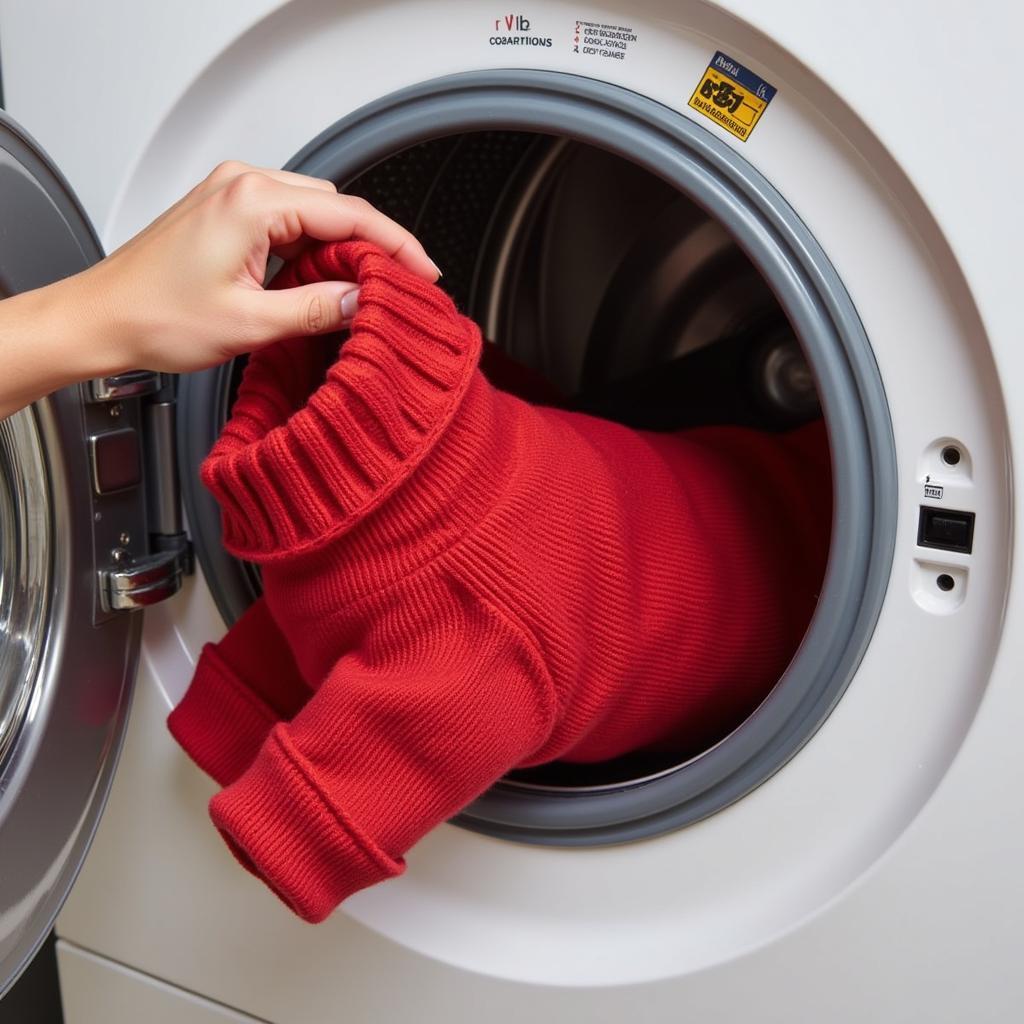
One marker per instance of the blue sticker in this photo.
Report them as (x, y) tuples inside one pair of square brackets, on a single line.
[(738, 73)]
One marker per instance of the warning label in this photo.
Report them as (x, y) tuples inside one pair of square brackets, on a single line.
[(732, 96), (593, 39)]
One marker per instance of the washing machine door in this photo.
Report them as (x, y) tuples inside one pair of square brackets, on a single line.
[(75, 534)]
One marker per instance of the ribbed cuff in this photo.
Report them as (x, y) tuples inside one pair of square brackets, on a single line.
[(220, 723), (291, 473), (281, 827)]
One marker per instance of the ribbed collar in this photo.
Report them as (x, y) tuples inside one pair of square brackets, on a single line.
[(301, 461)]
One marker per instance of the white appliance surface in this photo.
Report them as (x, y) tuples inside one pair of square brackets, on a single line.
[(876, 877)]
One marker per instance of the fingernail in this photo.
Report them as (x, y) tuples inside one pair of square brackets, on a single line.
[(350, 303), (436, 267)]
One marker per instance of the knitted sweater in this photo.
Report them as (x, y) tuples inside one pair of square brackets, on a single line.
[(458, 583)]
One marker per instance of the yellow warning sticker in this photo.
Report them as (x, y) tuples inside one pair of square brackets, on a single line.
[(732, 96)]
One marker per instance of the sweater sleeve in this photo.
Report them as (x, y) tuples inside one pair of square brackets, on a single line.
[(441, 699), (242, 686)]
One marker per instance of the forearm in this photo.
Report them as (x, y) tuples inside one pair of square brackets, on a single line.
[(187, 292), (52, 337)]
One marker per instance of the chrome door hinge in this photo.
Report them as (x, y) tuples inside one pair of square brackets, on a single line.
[(133, 384), (143, 581), (142, 551)]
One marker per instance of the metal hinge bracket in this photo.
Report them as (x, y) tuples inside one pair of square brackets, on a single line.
[(143, 581), (137, 514)]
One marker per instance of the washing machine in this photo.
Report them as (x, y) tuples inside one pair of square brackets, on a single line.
[(732, 212)]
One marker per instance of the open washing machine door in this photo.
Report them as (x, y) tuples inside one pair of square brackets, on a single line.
[(79, 550)]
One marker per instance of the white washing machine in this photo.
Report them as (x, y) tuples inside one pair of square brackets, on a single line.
[(748, 189)]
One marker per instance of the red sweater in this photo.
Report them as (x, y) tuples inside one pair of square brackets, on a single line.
[(458, 583)]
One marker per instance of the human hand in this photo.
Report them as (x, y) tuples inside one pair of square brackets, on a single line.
[(187, 291)]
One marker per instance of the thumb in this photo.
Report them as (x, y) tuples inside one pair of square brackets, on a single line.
[(309, 309)]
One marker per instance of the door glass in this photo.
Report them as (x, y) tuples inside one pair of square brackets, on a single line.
[(25, 552)]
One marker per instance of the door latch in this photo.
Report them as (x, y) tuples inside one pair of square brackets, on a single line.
[(140, 582), (133, 384)]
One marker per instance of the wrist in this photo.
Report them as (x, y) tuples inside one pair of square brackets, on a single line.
[(85, 333), (52, 337)]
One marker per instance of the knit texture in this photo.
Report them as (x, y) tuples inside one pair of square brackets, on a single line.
[(458, 583)]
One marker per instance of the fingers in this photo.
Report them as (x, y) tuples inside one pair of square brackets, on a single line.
[(331, 218), (296, 208), (227, 171), (286, 213), (293, 249), (310, 309)]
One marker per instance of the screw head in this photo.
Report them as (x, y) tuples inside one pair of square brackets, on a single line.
[(125, 539), (115, 410)]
